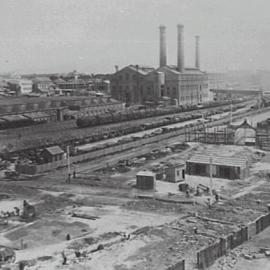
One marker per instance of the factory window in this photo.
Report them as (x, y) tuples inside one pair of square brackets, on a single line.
[(120, 77), (127, 76), (135, 77)]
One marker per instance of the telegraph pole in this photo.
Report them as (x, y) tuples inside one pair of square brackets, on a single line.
[(231, 111), (211, 175), (68, 165)]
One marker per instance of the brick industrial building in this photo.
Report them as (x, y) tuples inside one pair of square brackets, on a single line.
[(136, 84), (54, 108)]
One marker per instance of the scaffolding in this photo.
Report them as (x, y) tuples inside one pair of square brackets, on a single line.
[(215, 135)]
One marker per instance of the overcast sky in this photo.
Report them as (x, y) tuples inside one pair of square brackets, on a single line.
[(94, 35)]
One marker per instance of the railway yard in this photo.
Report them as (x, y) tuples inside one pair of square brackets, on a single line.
[(134, 135), (65, 131), (98, 218)]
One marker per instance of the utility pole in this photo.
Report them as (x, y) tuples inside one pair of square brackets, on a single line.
[(211, 175), (68, 164), (231, 111)]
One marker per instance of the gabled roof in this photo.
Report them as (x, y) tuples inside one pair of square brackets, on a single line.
[(143, 70), (146, 173), (59, 80), (42, 79), (187, 70), (218, 160), (54, 150), (245, 124)]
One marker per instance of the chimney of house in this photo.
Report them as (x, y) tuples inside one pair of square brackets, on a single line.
[(162, 48), (180, 48), (197, 52)]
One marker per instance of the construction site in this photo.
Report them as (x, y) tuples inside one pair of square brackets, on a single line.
[(156, 175), (180, 204)]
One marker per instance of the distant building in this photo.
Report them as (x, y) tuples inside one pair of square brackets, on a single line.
[(72, 86), (183, 86), (43, 85), (128, 84), (4, 88), (54, 107), (100, 85), (20, 86)]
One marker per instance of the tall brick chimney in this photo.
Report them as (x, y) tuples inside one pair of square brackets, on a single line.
[(197, 52), (180, 48), (162, 48)]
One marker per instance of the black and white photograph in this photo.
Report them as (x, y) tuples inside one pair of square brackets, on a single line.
[(135, 134)]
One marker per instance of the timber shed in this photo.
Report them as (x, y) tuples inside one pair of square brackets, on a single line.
[(146, 180), (53, 153), (175, 172), (222, 167)]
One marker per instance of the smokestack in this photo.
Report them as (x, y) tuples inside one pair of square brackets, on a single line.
[(162, 49), (197, 52), (180, 48)]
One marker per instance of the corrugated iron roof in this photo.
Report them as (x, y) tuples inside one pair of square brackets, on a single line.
[(146, 173), (217, 160), (36, 114), (54, 150), (15, 117), (187, 70)]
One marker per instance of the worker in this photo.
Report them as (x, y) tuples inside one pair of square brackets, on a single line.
[(195, 229), (187, 193), (68, 237), (208, 202), (17, 211), (21, 265), (78, 254), (69, 178), (217, 197), (74, 174), (64, 258)]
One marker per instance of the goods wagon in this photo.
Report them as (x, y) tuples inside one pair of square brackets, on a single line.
[(15, 121), (129, 115)]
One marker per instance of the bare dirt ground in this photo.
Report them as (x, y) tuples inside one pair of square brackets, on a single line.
[(135, 233), (248, 256)]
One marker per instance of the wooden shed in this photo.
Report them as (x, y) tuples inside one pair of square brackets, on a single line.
[(146, 180), (53, 153), (175, 172), (222, 167)]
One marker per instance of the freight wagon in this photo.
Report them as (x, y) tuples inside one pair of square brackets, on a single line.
[(129, 115)]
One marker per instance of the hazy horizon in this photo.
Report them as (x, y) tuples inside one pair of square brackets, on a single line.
[(49, 36)]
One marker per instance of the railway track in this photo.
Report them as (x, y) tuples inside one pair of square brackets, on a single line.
[(112, 159), (44, 134)]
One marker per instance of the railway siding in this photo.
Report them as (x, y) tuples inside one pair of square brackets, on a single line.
[(143, 145)]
